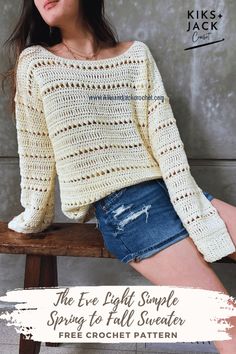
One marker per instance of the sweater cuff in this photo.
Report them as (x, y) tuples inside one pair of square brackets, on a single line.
[(18, 224), (215, 246)]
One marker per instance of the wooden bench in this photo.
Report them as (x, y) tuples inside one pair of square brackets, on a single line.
[(42, 249)]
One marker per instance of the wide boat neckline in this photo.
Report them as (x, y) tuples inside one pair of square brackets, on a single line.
[(92, 61)]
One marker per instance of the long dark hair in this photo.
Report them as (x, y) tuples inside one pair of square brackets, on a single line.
[(31, 29)]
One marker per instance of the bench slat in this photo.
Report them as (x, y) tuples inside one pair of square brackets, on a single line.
[(60, 239)]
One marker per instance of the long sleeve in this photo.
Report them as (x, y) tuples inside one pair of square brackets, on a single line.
[(200, 218), (36, 157)]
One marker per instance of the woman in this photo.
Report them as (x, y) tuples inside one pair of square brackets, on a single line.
[(122, 156)]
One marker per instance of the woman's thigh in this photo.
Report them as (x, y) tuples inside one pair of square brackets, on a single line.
[(180, 264)]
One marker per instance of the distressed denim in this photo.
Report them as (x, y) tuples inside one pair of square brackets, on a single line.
[(139, 220)]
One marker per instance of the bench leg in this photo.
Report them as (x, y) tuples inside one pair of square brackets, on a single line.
[(32, 279), (49, 278), (40, 271)]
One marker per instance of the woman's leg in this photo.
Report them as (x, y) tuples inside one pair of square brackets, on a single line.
[(181, 264), (228, 213)]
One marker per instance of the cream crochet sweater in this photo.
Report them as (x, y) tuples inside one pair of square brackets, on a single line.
[(98, 145)]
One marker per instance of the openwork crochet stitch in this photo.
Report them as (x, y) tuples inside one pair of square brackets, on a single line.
[(99, 145)]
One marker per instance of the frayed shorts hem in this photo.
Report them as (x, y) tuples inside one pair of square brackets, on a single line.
[(151, 250)]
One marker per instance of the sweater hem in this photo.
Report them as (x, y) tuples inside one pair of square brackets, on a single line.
[(80, 212)]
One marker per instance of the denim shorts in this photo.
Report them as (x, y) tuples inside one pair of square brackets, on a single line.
[(139, 220)]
